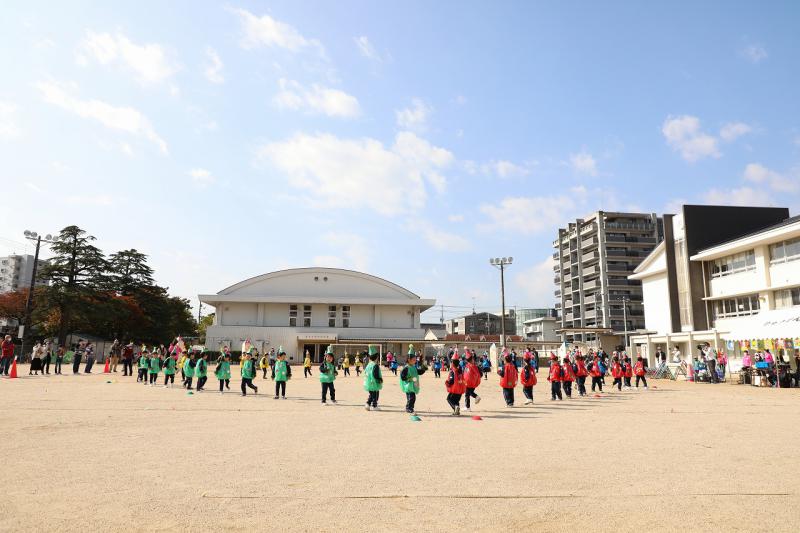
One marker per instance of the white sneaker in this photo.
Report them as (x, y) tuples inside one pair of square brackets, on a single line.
[(368, 407), (334, 401), (376, 408), (477, 400), (467, 409), (645, 387), (528, 402)]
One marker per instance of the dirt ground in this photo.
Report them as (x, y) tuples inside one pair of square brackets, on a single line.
[(84, 454)]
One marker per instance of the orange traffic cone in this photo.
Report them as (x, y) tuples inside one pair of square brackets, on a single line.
[(13, 373), (107, 370)]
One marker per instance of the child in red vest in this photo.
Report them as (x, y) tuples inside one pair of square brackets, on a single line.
[(567, 377), (528, 378), (627, 371), (580, 374), (597, 373), (639, 370), (472, 378), (554, 377), (616, 372), (455, 386), (508, 380)]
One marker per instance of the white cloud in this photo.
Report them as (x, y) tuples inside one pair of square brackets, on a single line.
[(455, 218), (125, 119), (505, 169), (148, 62), (8, 126), (755, 53), (316, 99), (742, 196), (266, 31), (366, 49), (202, 177), (683, 134), (758, 173), (214, 67), (526, 215), (126, 149), (414, 117), (583, 163), (439, 239), (354, 250), (360, 172), (537, 283), (733, 130)]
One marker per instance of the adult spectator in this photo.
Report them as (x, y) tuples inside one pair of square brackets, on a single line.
[(116, 351), (7, 350), (76, 359), (89, 357), (48, 355), (59, 358), (127, 359), (710, 355)]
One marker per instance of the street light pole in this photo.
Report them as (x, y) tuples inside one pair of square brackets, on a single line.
[(625, 320), (26, 323), (501, 263)]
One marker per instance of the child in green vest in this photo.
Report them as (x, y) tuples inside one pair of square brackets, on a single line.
[(373, 380), (188, 371), (169, 370), (248, 373), (281, 373), (409, 379), (154, 366), (223, 371), (201, 371), (327, 375), (142, 365)]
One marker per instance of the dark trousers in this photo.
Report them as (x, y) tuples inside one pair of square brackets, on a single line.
[(627, 381), (508, 396), (201, 382), (142, 375), (224, 383), (358, 371), (248, 382), (437, 372), (59, 360), (5, 364), (453, 400), (328, 387), (597, 381), (581, 385), (280, 388), (528, 392), (153, 378), (188, 383), (644, 379), (411, 399), (47, 363), (169, 378), (264, 376), (89, 364), (127, 367), (470, 394), (618, 383), (712, 370), (76, 363), (306, 372), (347, 371), (485, 373), (567, 388), (372, 399), (555, 390)]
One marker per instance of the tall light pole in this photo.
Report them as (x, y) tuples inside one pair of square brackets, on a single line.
[(501, 263), (26, 323)]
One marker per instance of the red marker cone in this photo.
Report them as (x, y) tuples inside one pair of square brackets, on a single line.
[(107, 370), (476, 417), (597, 396), (13, 373)]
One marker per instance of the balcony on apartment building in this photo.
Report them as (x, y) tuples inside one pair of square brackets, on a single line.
[(591, 271), (591, 285), (590, 257), (640, 227), (589, 243)]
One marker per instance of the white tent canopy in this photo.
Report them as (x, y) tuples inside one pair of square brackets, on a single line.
[(778, 324)]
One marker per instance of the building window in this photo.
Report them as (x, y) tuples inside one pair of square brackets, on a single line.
[(345, 316), (787, 298), (741, 306), (331, 316), (306, 316), (292, 316), (733, 264), (785, 251)]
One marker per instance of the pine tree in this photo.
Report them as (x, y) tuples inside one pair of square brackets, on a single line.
[(128, 272)]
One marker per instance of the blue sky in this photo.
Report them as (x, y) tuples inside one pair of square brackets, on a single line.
[(411, 140)]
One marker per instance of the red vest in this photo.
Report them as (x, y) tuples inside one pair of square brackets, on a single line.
[(616, 370), (628, 369), (555, 372), (531, 377), (596, 373), (472, 376), (638, 369), (582, 368), (458, 386), (509, 379), (566, 373)]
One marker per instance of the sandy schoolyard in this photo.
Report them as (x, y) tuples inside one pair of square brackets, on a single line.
[(81, 454)]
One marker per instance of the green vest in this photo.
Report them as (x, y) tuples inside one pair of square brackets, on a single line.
[(188, 370), (329, 375), (155, 363), (412, 385), (224, 370), (169, 366), (370, 383), (247, 369), (280, 371), (143, 361), (201, 370)]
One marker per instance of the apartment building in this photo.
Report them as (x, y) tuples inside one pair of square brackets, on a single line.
[(481, 324), (15, 272), (594, 257)]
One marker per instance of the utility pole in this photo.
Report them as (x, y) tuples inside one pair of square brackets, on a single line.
[(26, 323), (501, 263), (625, 320), (199, 313)]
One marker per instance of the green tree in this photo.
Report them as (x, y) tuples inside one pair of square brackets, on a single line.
[(202, 326), (128, 272)]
